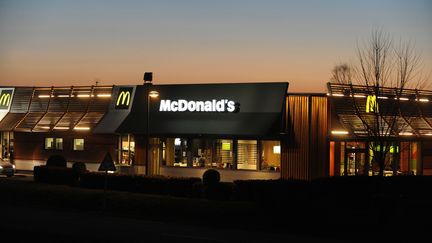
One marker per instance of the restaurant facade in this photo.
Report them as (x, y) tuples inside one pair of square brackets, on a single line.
[(244, 130)]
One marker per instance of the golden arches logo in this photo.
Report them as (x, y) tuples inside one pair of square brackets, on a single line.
[(371, 104), (4, 99), (123, 98)]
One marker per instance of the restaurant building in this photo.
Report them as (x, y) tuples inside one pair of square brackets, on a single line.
[(244, 130)]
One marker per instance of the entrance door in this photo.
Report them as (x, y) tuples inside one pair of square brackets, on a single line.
[(355, 162)]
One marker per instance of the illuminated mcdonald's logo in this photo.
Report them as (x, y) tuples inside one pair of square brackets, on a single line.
[(124, 98), (5, 98), (371, 104)]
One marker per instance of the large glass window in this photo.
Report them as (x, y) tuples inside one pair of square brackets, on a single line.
[(49, 143), (270, 155), (126, 149), (54, 143), (221, 153), (78, 144), (224, 154), (247, 154), (59, 143)]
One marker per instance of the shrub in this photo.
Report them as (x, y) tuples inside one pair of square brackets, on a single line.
[(211, 177), (220, 191), (79, 167), (56, 161), (55, 175)]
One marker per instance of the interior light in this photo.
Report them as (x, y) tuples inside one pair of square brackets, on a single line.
[(428, 134), (359, 96), (63, 96), (423, 100), (339, 132), (276, 149), (403, 98), (383, 97), (44, 96), (44, 127), (339, 95)]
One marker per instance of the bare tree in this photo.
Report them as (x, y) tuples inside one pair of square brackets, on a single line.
[(342, 74), (383, 72)]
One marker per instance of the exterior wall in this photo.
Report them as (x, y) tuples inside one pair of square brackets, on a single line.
[(30, 147), (427, 157), (305, 151)]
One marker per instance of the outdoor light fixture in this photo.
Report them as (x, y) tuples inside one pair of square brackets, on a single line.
[(104, 95), (148, 77), (339, 132), (61, 128), (81, 128), (153, 94), (406, 133)]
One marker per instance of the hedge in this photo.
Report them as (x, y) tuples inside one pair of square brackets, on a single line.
[(55, 175), (174, 186)]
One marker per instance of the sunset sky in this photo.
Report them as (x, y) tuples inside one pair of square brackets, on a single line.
[(75, 42)]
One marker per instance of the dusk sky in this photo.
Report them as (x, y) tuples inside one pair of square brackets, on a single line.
[(75, 42)]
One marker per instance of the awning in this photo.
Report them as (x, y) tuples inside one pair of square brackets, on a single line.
[(241, 109)]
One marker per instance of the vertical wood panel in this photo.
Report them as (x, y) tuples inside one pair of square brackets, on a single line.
[(305, 150)]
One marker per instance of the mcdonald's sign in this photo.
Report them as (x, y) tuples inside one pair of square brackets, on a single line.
[(371, 104), (123, 98), (5, 98)]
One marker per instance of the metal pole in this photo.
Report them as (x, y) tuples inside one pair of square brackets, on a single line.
[(147, 135)]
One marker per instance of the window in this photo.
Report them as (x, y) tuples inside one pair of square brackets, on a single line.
[(49, 143), (78, 144), (270, 155), (54, 143), (247, 154), (59, 143)]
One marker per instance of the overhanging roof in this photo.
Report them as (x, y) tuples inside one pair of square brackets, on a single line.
[(44, 109), (410, 109)]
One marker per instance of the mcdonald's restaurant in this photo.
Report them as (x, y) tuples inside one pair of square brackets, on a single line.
[(244, 130)]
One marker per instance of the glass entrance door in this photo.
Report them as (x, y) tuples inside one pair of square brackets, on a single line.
[(355, 162), (355, 159)]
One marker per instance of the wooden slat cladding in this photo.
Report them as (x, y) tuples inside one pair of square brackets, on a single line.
[(305, 150), (30, 146)]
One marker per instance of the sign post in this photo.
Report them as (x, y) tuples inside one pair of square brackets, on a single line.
[(106, 165)]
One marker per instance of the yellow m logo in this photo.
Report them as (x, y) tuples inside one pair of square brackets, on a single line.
[(371, 104), (123, 98), (4, 99)]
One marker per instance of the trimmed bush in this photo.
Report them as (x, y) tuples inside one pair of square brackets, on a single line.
[(55, 175), (79, 167), (211, 177), (56, 161)]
